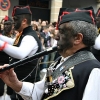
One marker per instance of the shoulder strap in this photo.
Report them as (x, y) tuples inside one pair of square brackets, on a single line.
[(77, 58)]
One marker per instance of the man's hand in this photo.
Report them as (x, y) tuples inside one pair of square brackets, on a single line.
[(9, 77)]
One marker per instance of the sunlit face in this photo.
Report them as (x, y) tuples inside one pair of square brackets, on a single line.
[(65, 38), (39, 21), (7, 26), (17, 22), (46, 30), (43, 23), (51, 28)]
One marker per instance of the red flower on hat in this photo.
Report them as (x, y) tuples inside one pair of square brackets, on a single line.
[(6, 18)]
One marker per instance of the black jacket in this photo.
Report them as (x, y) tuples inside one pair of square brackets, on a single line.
[(23, 70)]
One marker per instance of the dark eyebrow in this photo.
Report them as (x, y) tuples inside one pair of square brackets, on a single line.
[(15, 17), (59, 28)]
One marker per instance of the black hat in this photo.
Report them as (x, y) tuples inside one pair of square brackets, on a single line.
[(82, 14), (62, 12), (18, 10), (98, 13)]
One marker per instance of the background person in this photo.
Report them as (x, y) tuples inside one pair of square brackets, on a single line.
[(26, 44), (96, 48), (7, 31)]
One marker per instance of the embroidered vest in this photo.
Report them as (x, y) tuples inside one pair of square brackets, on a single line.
[(61, 80)]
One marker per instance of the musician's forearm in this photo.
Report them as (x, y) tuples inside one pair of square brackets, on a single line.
[(17, 86)]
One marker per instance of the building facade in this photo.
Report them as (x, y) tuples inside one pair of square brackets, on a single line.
[(49, 9)]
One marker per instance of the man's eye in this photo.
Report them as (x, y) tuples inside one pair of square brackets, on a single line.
[(61, 31), (15, 19)]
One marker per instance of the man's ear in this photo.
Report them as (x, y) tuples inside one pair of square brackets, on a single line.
[(24, 21), (78, 39)]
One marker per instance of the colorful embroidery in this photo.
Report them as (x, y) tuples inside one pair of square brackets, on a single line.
[(61, 83)]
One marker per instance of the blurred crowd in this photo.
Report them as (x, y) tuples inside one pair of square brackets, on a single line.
[(47, 34)]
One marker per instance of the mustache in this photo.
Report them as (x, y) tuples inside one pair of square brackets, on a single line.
[(64, 46)]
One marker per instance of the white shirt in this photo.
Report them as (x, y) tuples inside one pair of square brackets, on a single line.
[(31, 91), (27, 47), (62, 61), (97, 43), (91, 92)]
